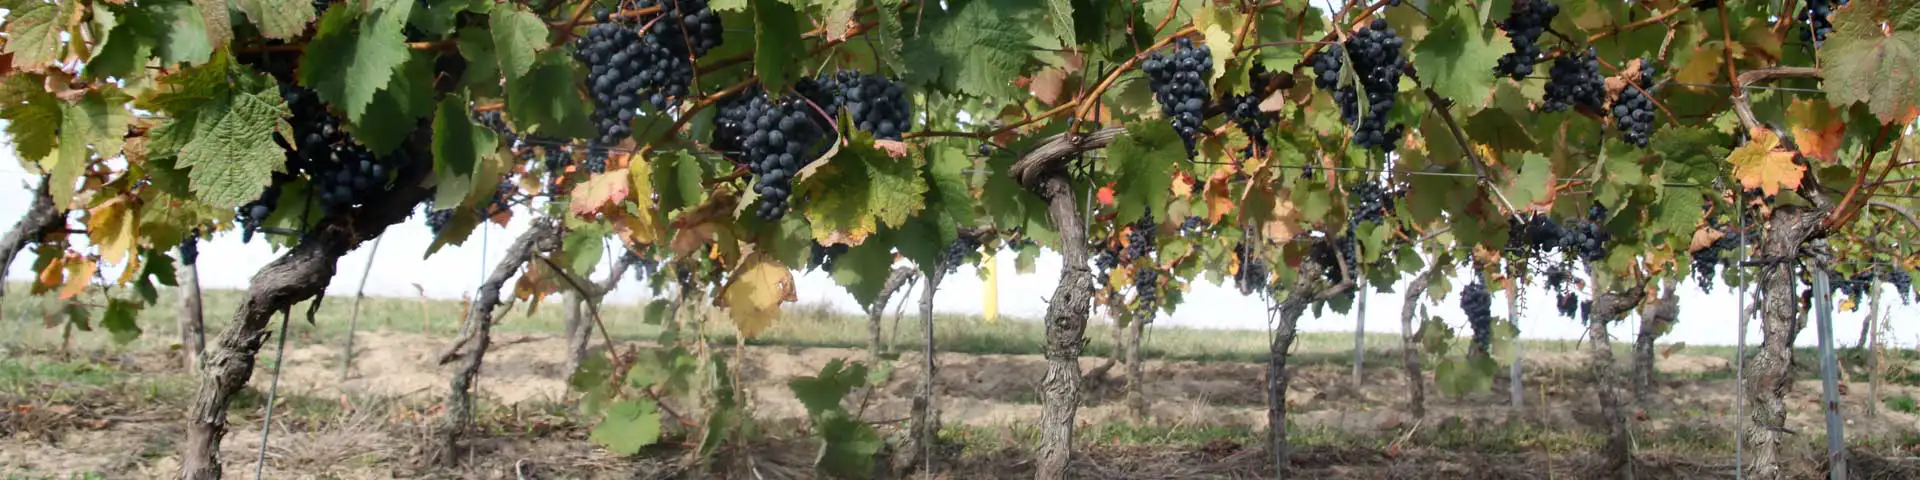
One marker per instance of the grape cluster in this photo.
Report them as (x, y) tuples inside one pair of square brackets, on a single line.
[(1378, 63), (437, 219), (822, 256), (1193, 225), (683, 26), (1252, 275), (1179, 83), (1140, 239), (596, 161), (1557, 277), (1575, 80), (497, 122), (1146, 289), (1524, 24), (557, 158), (1707, 260), (615, 58), (1103, 264), (1371, 203), (253, 214), (957, 252), (1333, 254), (775, 139), (1854, 287), (1633, 110), (643, 267), (1569, 305), (1816, 17), (878, 105), (190, 249), (1537, 234), (1245, 112), (1587, 239), (1902, 283), (1478, 305)]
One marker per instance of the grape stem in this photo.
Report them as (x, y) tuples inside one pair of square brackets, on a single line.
[(1848, 209)]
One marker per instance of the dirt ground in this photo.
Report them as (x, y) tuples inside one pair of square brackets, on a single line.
[(374, 433)]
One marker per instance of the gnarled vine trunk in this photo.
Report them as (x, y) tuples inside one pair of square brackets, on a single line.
[(1770, 370), (1309, 286), (1066, 328), (578, 318), (458, 414), (1608, 307), (189, 316), (39, 218), (1655, 320), (1043, 172), (1136, 372), (1410, 344), (302, 273), (896, 280)]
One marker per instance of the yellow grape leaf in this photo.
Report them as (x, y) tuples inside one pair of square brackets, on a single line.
[(1848, 304), (1704, 237), (1761, 164), (1817, 129), (754, 292), (692, 229), (79, 275), (1218, 195), (1182, 185), (606, 188), (51, 277), (113, 226), (131, 270), (637, 225)]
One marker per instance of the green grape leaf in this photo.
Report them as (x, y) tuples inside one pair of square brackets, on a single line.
[(727, 5), (676, 180), (454, 148), (121, 51), (545, 101), (518, 36), (482, 77), (233, 158), (949, 197), (1145, 157), (823, 391), (1533, 184), (658, 312), (34, 29), (777, 44), (278, 19), (1456, 58), (1691, 154), (119, 320), (849, 447), (1873, 57), (167, 30), (100, 119), (583, 246), (355, 54), (1060, 12), (861, 189), (392, 117), (1499, 129), (977, 48), (32, 115), (839, 16), (630, 425), (1679, 211), (863, 270)]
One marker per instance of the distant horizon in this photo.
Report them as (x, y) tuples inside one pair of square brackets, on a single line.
[(226, 262)]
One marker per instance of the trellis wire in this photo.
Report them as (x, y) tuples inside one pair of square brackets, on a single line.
[(273, 391)]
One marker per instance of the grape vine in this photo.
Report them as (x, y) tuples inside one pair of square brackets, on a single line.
[(1178, 77), (1524, 24), (1377, 63)]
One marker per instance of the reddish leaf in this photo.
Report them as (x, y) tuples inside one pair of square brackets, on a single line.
[(603, 189), (1105, 195), (1760, 164), (1183, 184), (1817, 128), (1047, 85)]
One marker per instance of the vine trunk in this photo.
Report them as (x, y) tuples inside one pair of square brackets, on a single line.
[(1066, 328), (459, 412), (1770, 370)]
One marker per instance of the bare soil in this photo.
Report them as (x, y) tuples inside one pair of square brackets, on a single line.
[(377, 427)]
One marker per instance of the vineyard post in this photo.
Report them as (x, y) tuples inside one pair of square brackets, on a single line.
[(1360, 333), (1516, 392), (1873, 348), (1136, 372), (1829, 369), (458, 414), (926, 420), (353, 318), (1410, 343), (191, 315)]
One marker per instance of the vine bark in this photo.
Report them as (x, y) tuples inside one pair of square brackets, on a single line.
[(1066, 327), (1770, 375), (458, 415), (39, 219), (1410, 344), (1309, 287), (896, 280), (1655, 320), (189, 316), (1611, 306)]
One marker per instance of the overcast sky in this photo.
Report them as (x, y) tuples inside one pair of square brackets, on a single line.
[(225, 262)]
